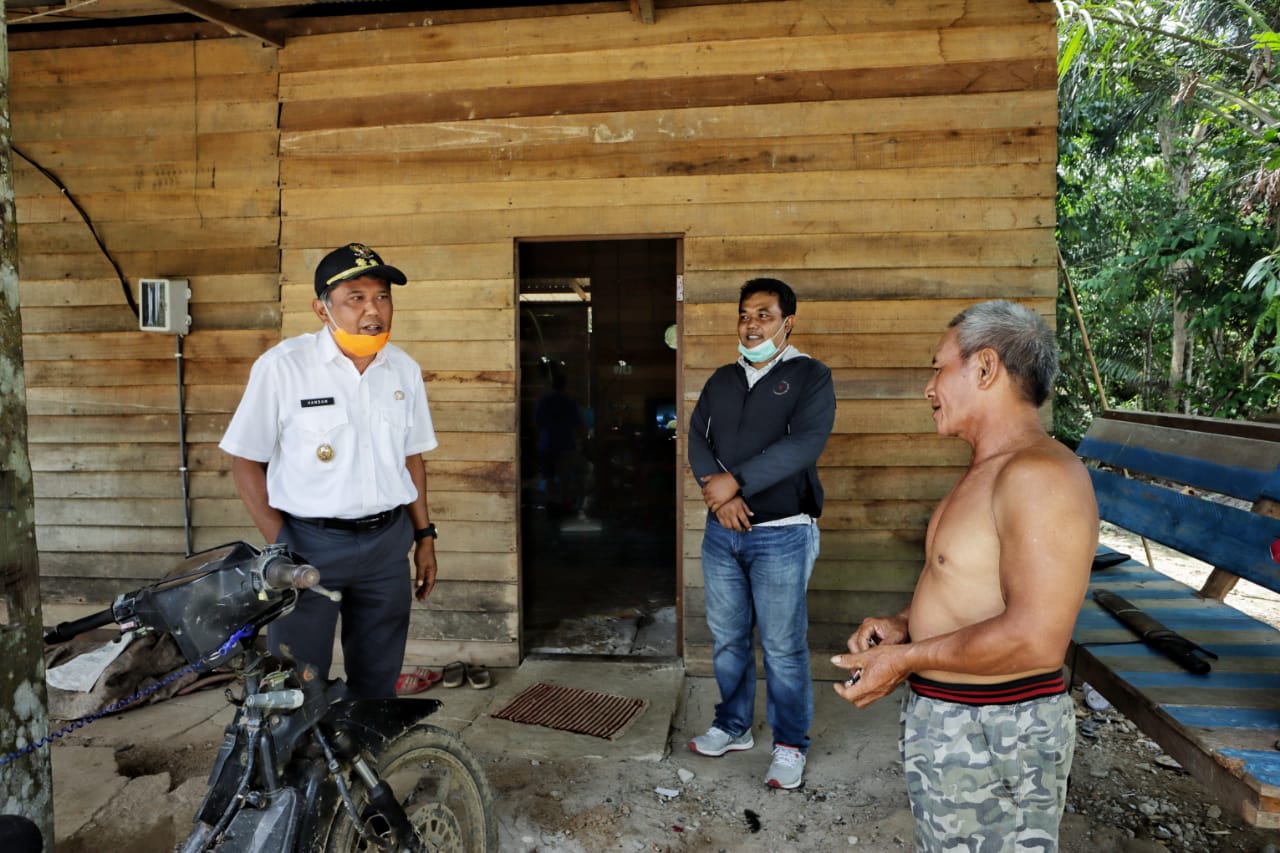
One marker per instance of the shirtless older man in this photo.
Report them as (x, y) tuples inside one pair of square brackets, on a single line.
[(988, 727)]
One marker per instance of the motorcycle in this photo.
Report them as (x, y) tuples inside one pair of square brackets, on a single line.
[(303, 766)]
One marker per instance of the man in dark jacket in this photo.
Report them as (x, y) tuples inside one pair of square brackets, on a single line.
[(754, 441)]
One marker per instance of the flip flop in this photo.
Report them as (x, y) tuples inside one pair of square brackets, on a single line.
[(478, 677), (417, 681), (454, 674)]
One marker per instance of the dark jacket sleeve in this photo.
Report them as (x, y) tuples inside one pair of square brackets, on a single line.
[(702, 458), (799, 448)]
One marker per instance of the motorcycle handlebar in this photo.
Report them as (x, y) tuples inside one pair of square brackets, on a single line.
[(163, 607), (69, 630), (284, 574)]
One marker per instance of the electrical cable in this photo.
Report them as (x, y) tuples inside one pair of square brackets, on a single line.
[(121, 704), (124, 283), (182, 447)]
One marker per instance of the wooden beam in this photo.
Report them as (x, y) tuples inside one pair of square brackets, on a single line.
[(237, 22), (642, 11)]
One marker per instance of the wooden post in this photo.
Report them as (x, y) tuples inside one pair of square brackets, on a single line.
[(26, 784), (642, 11)]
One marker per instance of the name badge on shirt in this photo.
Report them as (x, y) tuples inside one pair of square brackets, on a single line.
[(317, 401)]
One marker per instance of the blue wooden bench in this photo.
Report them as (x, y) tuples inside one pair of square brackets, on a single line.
[(1223, 727)]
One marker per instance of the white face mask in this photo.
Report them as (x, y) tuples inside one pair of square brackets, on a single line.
[(764, 350)]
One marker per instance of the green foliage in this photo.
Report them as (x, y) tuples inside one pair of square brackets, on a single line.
[(1169, 203)]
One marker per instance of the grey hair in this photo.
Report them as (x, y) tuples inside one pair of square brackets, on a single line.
[(1023, 340)]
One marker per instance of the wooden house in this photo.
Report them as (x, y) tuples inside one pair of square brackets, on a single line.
[(585, 185)]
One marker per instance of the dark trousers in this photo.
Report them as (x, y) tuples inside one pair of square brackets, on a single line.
[(371, 571)]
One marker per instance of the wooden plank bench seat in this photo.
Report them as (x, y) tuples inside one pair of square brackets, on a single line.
[(1223, 727)]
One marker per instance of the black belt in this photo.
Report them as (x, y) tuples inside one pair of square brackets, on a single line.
[(368, 524)]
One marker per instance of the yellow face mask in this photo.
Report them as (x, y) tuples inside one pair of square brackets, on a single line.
[(360, 346)]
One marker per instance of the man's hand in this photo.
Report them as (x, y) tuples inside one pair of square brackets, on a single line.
[(424, 562), (734, 515), (878, 631), (872, 675), (718, 490)]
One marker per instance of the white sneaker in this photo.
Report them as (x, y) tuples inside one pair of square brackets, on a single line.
[(787, 769), (717, 742)]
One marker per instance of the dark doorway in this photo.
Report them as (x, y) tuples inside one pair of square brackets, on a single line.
[(598, 439)]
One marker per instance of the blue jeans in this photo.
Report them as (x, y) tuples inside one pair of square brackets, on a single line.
[(758, 579)]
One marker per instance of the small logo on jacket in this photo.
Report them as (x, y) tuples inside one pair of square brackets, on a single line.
[(781, 387)]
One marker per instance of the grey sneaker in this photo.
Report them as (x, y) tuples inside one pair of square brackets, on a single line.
[(787, 769), (717, 742)]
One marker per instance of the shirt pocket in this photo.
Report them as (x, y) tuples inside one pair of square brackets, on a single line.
[(308, 429), (394, 416)]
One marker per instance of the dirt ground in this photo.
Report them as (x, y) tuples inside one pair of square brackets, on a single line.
[(1121, 798), (1124, 794)]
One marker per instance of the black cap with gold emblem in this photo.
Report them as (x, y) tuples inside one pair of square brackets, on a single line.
[(353, 260)]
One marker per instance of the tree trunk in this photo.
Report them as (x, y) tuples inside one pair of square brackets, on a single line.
[(26, 784), (1181, 271), (1178, 362)]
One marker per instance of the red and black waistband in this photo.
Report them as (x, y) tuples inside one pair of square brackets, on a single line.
[(1002, 693)]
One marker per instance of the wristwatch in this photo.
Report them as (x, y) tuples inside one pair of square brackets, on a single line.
[(423, 532)]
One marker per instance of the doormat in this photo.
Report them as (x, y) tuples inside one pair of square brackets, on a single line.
[(570, 709)]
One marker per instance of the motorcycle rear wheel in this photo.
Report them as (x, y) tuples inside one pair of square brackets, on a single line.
[(441, 785)]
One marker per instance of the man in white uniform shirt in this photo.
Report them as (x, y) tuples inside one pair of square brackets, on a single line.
[(327, 445)]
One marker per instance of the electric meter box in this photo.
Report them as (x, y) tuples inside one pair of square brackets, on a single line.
[(162, 305)]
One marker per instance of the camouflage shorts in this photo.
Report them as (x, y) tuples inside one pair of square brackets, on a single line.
[(987, 778)]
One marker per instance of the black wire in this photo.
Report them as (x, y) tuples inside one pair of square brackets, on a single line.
[(124, 284)]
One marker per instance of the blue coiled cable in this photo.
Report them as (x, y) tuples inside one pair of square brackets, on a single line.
[(121, 704)]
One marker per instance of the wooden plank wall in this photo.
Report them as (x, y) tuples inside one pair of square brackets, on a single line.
[(171, 149), (892, 159)]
